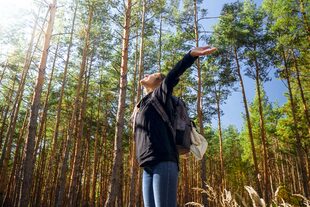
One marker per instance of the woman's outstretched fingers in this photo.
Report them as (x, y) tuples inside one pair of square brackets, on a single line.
[(209, 50), (200, 51)]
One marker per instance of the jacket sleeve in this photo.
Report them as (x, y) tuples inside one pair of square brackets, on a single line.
[(166, 88)]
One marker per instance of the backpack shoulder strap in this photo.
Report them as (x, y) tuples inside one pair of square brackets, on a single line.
[(159, 108)]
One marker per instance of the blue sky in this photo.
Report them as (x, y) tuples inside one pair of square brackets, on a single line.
[(234, 108)]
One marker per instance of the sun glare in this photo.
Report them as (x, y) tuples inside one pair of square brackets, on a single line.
[(11, 10)]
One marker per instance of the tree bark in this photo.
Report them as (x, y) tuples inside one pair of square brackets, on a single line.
[(134, 165), (49, 191), (6, 111), (4, 179), (45, 106), (262, 134), (28, 163), (299, 148), (222, 179), (77, 117), (249, 124), (117, 162), (6, 150), (12, 185), (160, 42), (96, 154), (133, 162), (303, 98), (199, 106)]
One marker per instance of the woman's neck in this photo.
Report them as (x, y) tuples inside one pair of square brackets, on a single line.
[(149, 90)]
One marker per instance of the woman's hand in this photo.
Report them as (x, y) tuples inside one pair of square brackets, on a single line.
[(201, 51)]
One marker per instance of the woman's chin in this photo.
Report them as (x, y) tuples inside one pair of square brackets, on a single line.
[(143, 82)]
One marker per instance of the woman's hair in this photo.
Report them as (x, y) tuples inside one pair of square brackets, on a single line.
[(162, 77)]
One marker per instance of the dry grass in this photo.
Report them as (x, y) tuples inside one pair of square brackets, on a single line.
[(225, 199)]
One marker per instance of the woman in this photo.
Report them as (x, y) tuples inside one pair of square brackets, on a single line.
[(155, 149)]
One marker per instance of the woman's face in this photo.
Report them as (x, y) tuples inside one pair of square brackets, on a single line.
[(151, 81)]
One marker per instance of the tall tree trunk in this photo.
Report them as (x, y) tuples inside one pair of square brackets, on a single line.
[(133, 161), (45, 106), (117, 162), (96, 154), (4, 110), (160, 42), (4, 179), (262, 134), (218, 109), (249, 124), (54, 155), (62, 170), (42, 123), (85, 144), (6, 150), (12, 185), (104, 157), (39, 175), (8, 100), (299, 148), (28, 163), (199, 106), (303, 98), (77, 116)]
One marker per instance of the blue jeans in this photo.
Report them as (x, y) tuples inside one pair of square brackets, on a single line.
[(160, 184)]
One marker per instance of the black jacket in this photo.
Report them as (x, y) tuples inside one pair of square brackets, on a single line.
[(154, 140)]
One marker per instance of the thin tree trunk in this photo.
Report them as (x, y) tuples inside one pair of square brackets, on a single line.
[(54, 156), (282, 169), (37, 192), (63, 167), (105, 158), (263, 135), (77, 116), (222, 174), (186, 197), (11, 187), (249, 124), (96, 154), (303, 98), (104, 154), (141, 52), (4, 179), (87, 172), (28, 163), (299, 148), (45, 106), (133, 161), (40, 168), (117, 162), (160, 42), (6, 150), (199, 106), (6, 110), (134, 168), (86, 161)]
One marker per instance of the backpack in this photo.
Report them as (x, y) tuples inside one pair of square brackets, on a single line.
[(181, 127)]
